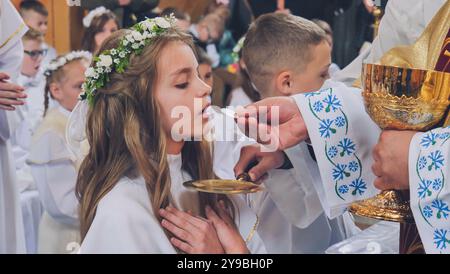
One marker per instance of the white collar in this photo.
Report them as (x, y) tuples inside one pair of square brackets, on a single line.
[(64, 111)]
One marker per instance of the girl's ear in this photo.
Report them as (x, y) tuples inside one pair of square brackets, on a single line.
[(55, 90), (284, 83)]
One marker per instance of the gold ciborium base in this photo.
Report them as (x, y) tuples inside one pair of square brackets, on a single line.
[(389, 205)]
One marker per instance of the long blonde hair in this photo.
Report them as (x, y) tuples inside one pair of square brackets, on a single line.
[(126, 137)]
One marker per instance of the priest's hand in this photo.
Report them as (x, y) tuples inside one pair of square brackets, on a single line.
[(391, 156), (266, 161), (193, 235), (226, 229), (275, 122), (10, 94)]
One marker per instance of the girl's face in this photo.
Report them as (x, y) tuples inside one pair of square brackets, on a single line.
[(205, 71), (181, 94), (66, 92), (108, 29)]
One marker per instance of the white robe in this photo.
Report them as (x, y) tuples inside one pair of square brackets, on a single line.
[(290, 213), (54, 170), (125, 221), (429, 170), (341, 132), (23, 123), (12, 237)]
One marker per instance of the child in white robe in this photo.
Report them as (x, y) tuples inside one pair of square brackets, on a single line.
[(299, 64), (138, 158), (52, 165), (23, 123)]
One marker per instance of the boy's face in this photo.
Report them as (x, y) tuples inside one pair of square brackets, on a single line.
[(36, 21), (312, 78), (32, 58)]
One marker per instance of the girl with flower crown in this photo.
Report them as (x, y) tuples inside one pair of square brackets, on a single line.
[(52, 165), (99, 24), (130, 183)]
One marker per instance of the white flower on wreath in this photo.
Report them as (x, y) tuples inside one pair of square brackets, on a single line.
[(87, 20), (148, 25), (113, 51), (90, 72), (137, 36), (162, 23), (105, 61)]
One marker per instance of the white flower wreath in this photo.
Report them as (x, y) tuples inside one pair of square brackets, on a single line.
[(87, 20), (59, 62), (117, 59)]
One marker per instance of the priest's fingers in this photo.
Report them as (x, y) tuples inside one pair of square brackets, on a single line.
[(11, 102), (381, 184), (180, 215), (6, 107), (185, 247), (248, 155), (4, 76), (12, 94), (377, 169), (5, 86), (176, 220)]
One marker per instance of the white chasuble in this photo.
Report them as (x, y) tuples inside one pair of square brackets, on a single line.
[(12, 237), (429, 172), (342, 136)]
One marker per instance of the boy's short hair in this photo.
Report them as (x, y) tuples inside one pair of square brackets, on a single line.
[(324, 25), (32, 5), (33, 35), (279, 41)]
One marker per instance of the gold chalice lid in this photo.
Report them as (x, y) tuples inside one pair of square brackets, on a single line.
[(241, 185)]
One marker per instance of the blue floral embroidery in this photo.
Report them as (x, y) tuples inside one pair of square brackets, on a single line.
[(424, 190), (422, 162), (437, 184), (359, 186), (444, 135), (325, 128), (437, 160), (332, 152), (339, 172), (318, 106), (343, 189), (311, 94), (440, 238), (347, 146), (442, 208), (332, 103), (429, 139), (427, 211), (340, 121), (353, 166)]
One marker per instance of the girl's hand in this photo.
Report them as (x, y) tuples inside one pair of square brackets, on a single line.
[(193, 235), (227, 231)]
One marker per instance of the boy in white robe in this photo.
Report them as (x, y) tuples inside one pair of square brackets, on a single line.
[(23, 123), (283, 73), (12, 237)]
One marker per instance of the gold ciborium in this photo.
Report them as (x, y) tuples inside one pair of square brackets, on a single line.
[(401, 99)]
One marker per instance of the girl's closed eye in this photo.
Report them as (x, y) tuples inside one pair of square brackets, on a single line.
[(182, 85)]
